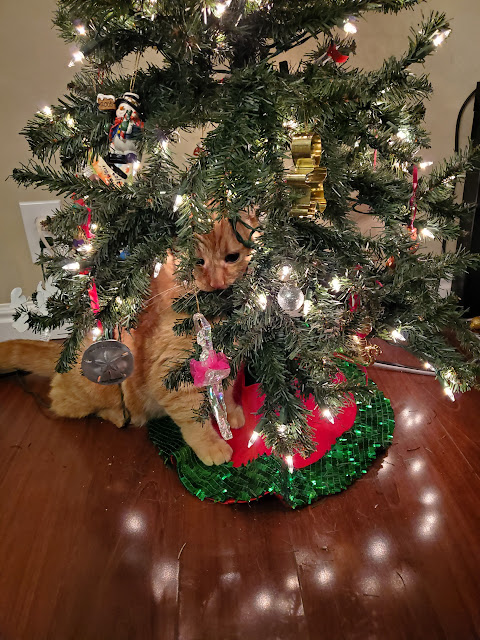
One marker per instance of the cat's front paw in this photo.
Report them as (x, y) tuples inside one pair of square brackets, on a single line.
[(236, 417), (214, 451)]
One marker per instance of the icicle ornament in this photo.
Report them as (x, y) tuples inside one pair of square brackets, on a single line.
[(209, 371)]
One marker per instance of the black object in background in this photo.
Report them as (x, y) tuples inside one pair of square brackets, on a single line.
[(467, 287)]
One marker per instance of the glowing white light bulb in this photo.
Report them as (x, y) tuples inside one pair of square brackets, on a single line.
[(307, 306), (290, 124), (94, 226), (398, 336), (119, 300), (440, 36), (262, 301), (70, 122), (71, 266), (86, 248), (424, 165), (428, 366), (285, 272), (402, 134), (281, 429), (449, 393), (426, 233), (96, 332), (220, 8), (328, 414), (254, 437), (78, 56), (47, 111), (156, 270), (178, 202), (71, 63), (81, 30), (349, 26), (289, 461), (335, 284), (164, 144)]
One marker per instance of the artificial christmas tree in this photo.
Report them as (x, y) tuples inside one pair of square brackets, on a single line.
[(316, 289)]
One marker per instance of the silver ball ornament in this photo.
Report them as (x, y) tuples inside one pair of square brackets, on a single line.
[(290, 298)]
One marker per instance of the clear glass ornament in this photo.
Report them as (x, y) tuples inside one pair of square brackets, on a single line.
[(290, 298)]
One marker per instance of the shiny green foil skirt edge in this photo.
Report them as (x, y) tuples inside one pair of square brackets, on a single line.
[(349, 458)]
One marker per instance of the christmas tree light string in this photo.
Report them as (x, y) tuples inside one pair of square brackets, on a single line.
[(349, 167)]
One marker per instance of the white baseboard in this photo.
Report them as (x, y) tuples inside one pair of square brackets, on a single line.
[(8, 332)]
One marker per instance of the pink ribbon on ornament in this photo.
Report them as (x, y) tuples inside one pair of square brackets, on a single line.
[(413, 199), (199, 369)]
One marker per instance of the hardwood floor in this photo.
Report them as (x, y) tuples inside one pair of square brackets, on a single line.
[(99, 541)]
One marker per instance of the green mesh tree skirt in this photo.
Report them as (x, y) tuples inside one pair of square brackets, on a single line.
[(343, 458)]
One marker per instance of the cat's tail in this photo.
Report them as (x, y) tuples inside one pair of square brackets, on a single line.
[(29, 355)]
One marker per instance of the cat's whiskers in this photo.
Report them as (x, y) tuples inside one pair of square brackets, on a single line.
[(163, 293)]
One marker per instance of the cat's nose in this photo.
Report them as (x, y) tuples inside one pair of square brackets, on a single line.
[(217, 279), (218, 284)]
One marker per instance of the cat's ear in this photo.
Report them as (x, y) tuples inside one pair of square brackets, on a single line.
[(250, 215)]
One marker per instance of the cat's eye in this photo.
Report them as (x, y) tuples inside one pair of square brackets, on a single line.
[(200, 261), (232, 257)]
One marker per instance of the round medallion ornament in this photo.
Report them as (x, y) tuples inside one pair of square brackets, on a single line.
[(107, 362)]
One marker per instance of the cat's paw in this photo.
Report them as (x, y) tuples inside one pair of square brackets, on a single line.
[(236, 417), (214, 451)]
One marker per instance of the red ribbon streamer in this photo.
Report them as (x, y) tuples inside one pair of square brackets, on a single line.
[(92, 292), (93, 295), (413, 199), (86, 227), (335, 55)]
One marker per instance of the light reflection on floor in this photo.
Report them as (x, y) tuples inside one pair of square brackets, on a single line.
[(325, 575), (134, 522), (378, 547), (163, 573)]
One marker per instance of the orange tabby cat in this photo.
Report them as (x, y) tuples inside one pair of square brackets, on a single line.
[(221, 260)]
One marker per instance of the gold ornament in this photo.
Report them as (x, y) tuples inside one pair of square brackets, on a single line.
[(362, 351), (412, 232), (475, 324), (308, 177)]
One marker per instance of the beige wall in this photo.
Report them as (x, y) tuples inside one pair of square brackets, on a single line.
[(35, 73)]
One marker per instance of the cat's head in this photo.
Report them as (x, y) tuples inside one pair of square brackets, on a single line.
[(221, 257)]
